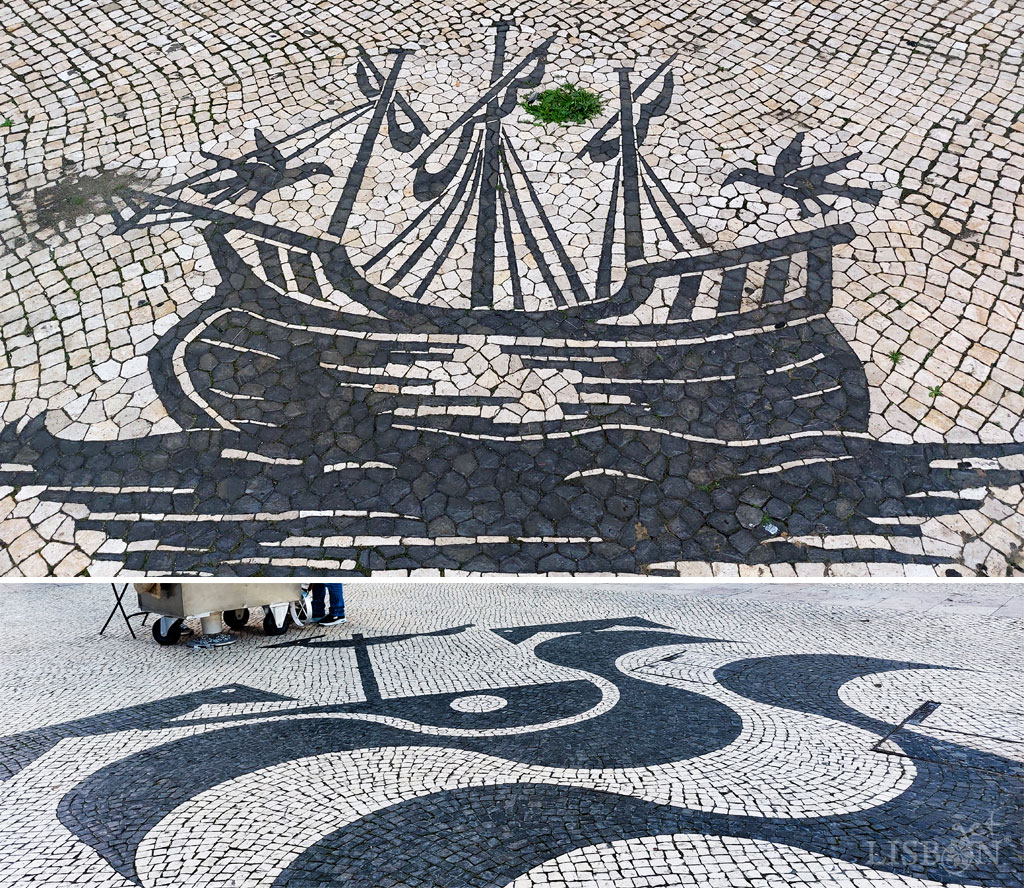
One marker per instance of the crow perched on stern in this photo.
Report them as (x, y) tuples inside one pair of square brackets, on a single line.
[(260, 172)]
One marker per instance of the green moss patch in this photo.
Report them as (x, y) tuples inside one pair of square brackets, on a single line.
[(564, 104)]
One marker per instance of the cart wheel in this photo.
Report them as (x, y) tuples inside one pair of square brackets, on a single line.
[(236, 619), (172, 635), (271, 628)]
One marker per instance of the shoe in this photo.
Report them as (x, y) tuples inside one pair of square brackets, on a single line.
[(331, 621)]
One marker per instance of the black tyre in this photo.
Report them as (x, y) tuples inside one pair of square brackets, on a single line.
[(236, 619), (171, 636), (271, 628)]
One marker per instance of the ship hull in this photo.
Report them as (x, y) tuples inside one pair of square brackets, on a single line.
[(748, 383), (262, 360)]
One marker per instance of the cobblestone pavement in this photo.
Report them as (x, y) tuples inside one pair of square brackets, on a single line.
[(299, 287), (519, 736)]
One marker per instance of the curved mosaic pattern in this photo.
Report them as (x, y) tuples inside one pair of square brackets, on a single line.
[(686, 860), (659, 754), (317, 293)]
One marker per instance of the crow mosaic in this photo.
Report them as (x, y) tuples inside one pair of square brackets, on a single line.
[(259, 173), (805, 183)]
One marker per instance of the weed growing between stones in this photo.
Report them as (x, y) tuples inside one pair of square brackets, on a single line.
[(564, 104)]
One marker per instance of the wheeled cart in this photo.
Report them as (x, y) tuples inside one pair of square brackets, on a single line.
[(215, 604)]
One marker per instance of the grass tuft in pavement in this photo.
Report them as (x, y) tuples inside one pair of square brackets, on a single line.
[(564, 104)]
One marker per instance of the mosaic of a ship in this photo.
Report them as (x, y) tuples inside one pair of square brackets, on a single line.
[(459, 284)]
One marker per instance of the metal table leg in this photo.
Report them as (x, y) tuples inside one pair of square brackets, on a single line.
[(119, 606)]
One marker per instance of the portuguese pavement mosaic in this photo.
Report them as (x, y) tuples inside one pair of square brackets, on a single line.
[(306, 287), (517, 736)]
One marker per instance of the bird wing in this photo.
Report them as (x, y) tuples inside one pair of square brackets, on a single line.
[(834, 166), (789, 157), (268, 153)]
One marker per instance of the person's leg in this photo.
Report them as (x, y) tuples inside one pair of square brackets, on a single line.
[(337, 613), (317, 592), (335, 592)]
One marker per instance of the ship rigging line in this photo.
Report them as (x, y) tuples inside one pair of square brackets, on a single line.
[(459, 190)]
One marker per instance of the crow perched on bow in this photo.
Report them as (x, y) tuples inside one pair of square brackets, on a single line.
[(804, 183), (261, 171)]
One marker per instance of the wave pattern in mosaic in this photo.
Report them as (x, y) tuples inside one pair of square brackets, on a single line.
[(705, 741)]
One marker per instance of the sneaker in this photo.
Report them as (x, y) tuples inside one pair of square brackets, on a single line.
[(331, 621)]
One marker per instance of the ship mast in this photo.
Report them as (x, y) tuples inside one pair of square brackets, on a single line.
[(633, 233), (343, 211), (482, 287), (634, 177)]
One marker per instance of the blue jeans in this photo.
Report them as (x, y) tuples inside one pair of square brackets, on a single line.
[(334, 593)]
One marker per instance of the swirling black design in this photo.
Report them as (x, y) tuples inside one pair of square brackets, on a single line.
[(19, 750), (650, 724), (486, 836), (113, 809), (956, 789)]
